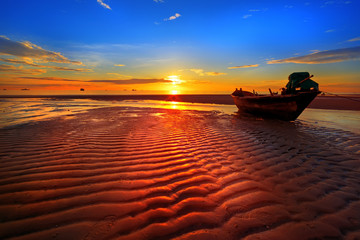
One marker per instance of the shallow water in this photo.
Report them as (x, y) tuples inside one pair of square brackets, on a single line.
[(340, 119), (16, 111)]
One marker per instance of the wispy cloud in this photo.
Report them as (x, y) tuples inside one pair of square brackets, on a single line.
[(159, 1), (198, 71), (119, 65), (354, 39), (20, 70), (28, 49), (119, 75), (252, 12), (104, 4), (337, 2), (114, 81), (51, 79), (25, 61), (244, 66), (132, 81), (330, 56), (330, 31), (201, 72), (177, 15), (29, 62), (70, 69), (215, 73)]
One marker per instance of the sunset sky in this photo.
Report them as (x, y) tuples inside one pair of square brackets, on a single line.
[(176, 46)]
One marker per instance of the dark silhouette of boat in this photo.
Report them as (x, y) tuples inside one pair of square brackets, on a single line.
[(298, 94)]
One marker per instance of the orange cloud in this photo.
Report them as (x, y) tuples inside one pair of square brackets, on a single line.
[(114, 81), (201, 72), (244, 66), (215, 73), (70, 69), (198, 71), (20, 70)]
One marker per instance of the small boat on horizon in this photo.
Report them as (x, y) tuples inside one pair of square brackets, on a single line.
[(299, 92)]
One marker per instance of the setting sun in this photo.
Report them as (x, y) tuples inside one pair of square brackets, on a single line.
[(175, 79)]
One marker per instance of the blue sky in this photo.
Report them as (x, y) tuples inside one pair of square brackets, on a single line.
[(209, 46)]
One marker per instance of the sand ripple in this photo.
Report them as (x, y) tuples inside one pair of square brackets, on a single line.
[(118, 173)]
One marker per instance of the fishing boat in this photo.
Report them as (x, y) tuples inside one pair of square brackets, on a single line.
[(299, 92)]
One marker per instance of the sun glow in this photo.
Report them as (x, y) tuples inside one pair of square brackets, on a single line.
[(175, 80)]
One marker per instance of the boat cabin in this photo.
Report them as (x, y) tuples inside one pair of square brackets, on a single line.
[(298, 82)]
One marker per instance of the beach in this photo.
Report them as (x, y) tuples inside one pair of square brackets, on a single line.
[(177, 169)]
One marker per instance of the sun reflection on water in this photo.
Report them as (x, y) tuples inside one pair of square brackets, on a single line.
[(23, 110)]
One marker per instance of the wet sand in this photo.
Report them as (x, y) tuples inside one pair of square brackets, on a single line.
[(142, 173)]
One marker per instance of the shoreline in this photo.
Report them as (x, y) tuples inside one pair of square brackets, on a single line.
[(340, 102)]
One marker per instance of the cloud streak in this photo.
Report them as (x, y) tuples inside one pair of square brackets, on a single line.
[(330, 56), (354, 39), (20, 70), (114, 81), (201, 72), (30, 50), (244, 66), (215, 73), (177, 15), (198, 71), (31, 63), (104, 4)]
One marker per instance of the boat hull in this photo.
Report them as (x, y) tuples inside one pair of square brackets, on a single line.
[(284, 107)]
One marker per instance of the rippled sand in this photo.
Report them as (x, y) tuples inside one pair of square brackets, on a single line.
[(128, 173)]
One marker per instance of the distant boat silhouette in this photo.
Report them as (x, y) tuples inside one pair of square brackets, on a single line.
[(25, 89), (81, 89)]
